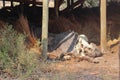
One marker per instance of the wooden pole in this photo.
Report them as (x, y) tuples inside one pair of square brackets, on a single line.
[(3, 3), (72, 1), (56, 3), (103, 25), (45, 30), (68, 3), (34, 2), (21, 8), (11, 3)]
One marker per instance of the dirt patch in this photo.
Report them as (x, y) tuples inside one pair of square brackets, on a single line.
[(107, 69)]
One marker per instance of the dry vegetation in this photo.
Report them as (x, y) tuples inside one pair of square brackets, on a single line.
[(23, 26), (13, 53)]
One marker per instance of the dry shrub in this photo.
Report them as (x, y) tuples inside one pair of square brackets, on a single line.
[(22, 26), (15, 58)]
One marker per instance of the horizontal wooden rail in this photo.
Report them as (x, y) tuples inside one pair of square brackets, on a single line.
[(27, 1), (72, 6)]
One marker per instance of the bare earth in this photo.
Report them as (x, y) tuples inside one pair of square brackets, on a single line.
[(107, 69)]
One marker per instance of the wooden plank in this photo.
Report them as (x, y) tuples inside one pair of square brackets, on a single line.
[(56, 8), (27, 1), (3, 3), (68, 3), (45, 30), (11, 3), (69, 8), (34, 2), (57, 4), (103, 25), (72, 1)]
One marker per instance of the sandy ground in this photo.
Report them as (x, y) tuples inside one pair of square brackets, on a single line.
[(107, 69)]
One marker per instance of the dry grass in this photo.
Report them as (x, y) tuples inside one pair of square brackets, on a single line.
[(23, 27), (15, 59)]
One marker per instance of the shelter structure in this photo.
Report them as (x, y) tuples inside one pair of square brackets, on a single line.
[(71, 4)]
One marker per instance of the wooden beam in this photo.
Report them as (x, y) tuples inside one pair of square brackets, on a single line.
[(21, 8), (72, 1), (69, 8), (26, 1), (68, 3), (56, 3), (11, 3), (34, 1), (103, 25), (3, 3), (45, 29)]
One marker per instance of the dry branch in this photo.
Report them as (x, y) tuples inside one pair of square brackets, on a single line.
[(23, 26)]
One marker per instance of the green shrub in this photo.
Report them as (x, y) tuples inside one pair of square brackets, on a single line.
[(15, 58)]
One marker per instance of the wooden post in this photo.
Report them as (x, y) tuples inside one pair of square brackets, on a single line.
[(34, 2), (68, 3), (56, 7), (3, 3), (21, 8), (11, 3), (103, 25), (72, 1), (45, 29)]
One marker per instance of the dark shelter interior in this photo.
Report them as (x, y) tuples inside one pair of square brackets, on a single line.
[(83, 20)]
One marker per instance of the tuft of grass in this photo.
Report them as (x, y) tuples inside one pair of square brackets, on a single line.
[(15, 59)]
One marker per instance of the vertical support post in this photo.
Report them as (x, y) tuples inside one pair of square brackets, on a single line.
[(11, 3), (56, 7), (45, 29), (3, 3), (21, 8), (72, 1), (103, 25), (68, 3), (34, 2)]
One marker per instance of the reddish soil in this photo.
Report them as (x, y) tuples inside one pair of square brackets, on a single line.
[(107, 69)]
